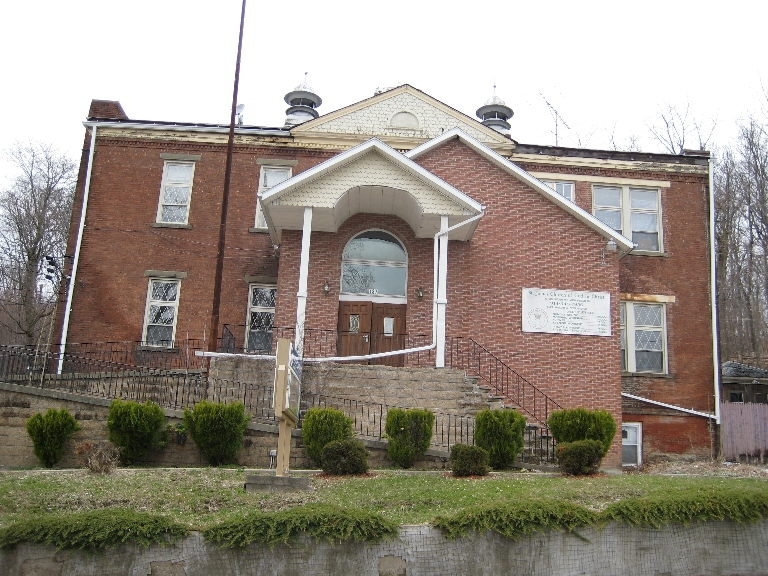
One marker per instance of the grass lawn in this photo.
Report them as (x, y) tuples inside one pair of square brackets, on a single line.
[(202, 498)]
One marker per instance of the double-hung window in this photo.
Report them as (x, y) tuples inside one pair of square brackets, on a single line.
[(565, 189), (269, 177), (643, 338), (633, 212), (175, 192), (261, 317), (161, 312)]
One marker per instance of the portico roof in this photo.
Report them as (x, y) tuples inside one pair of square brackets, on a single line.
[(369, 178)]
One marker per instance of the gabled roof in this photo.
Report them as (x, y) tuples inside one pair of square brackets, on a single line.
[(371, 177), (403, 117), (510, 167)]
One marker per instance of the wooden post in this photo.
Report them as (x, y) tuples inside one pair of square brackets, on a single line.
[(282, 402)]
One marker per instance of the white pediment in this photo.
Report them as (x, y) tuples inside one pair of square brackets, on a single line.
[(400, 114)]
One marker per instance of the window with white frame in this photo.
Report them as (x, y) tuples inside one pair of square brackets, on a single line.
[(261, 317), (175, 192), (161, 312), (631, 443), (565, 189), (270, 177), (633, 212), (643, 337)]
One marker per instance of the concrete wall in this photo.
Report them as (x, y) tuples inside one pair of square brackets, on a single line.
[(715, 549)]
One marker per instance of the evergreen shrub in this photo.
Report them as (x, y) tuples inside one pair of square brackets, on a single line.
[(582, 424), (342, 457), (580, 457), (49, 433), (321, 426), (217, 429), (136, 428), (409, 433), (501, 433), (469, 460)]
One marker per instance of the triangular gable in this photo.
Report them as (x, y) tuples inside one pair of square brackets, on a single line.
[(510, 167), (371, 177), (403, 117)]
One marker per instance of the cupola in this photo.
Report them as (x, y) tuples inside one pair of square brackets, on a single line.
[(302, 103), (495, 114)]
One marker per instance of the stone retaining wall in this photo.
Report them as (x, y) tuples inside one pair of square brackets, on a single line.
[(714, 549)]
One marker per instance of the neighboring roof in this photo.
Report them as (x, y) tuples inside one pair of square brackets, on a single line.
[(735, 369), (371, 177), (510, 167)]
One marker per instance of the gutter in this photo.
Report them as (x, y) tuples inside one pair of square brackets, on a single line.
[(713, 293), (670, 406), (78, 245)]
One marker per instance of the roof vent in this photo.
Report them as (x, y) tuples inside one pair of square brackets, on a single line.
[(303, 103), (495, 114)]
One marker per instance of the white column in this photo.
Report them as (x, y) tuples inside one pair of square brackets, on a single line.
[(301, 295), (442, 294)]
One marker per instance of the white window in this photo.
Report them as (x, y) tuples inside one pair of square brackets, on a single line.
[(261, 317), (631, 444), (643, 338), (161, 312), (175, 192), (633, 212), (565, 189), (374, 263), (270, 177)]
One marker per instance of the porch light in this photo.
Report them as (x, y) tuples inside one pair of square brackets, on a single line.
[(611, 245), (326, 288), (419, 293)]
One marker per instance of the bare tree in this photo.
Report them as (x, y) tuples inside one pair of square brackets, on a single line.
[(34, 217), (675, 129)]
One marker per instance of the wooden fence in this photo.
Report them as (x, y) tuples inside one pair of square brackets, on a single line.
[(744, 430)]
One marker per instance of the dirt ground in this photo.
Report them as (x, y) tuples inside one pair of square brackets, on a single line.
[(708, 468)]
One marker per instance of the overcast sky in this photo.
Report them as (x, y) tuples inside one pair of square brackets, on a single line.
[(607, 68)]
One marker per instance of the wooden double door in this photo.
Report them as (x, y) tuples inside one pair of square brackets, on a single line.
[(371, 327)]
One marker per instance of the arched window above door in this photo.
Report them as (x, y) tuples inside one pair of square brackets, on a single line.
[(374, 263)]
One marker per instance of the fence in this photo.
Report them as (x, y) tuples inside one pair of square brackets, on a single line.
[(744, 431)]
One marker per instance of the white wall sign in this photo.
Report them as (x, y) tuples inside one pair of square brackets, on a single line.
[(566, 312)]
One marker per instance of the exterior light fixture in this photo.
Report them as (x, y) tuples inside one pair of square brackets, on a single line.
[(611, 245), (326, 288), (419, 293)]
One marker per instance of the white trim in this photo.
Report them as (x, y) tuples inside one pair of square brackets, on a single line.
[(629, 333), (713, 295), (173, 303), (262, 188), (591, 178), (625, 211), (441, 297), (670, 406), (76, 259), (373, 298), (165, 182), (511, 168), (301, 295), (185, 128), (250, 308)]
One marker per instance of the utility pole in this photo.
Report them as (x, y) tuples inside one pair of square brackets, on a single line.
[(215, 309)]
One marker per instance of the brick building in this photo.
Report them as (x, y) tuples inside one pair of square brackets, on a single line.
[(399, 223)]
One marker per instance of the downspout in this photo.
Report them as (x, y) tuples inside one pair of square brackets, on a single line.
[(713, 293), (76, 259), (434, 306)]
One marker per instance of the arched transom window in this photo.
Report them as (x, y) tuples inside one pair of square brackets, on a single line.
[(375, 264)]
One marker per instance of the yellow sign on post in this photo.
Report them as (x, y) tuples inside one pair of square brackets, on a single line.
[(285, 398)]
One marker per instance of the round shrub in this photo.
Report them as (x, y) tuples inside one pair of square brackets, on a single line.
[(342, 457), (217, 429), (469, 460), (582, 424), (49, 433), (321, 426), (500, 432), (580, 457), (136, 428), (409, 433)]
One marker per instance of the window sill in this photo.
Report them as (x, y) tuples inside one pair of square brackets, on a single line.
[(649, 253), (259, 230), (147, 348), (645, 375), (170, 225)]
